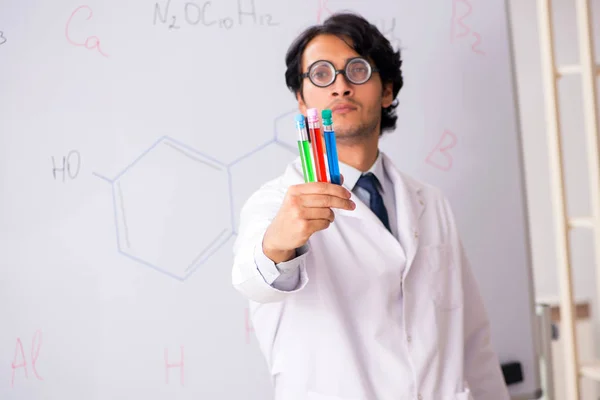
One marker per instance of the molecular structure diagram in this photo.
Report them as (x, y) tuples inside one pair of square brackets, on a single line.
[(164, 198)]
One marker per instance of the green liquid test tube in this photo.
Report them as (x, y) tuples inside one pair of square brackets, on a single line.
[(307, 168), (304, 149)]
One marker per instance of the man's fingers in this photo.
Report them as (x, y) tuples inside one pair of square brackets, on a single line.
[(322, 188), (326, 201), (317, 213), (318, 224)]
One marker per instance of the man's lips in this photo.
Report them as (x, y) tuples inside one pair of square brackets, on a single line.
[(343, 108)]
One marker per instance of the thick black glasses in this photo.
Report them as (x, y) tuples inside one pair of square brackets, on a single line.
[(322, 73)]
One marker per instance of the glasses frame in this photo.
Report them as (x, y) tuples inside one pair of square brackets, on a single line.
[(339, 71)]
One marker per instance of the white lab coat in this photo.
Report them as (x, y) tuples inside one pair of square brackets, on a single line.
[(331, 337)]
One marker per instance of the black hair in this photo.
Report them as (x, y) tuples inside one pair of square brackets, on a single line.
[(367, 41)]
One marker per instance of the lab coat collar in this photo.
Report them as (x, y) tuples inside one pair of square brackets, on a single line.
[(409, 198), (352, 175)]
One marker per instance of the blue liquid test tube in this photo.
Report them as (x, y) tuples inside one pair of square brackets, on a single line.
[(332, 156)]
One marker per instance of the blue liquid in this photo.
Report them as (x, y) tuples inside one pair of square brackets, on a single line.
[(332, 157)]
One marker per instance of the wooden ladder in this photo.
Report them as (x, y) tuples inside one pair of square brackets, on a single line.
[(588, 71)]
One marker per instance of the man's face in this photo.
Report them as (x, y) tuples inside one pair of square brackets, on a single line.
[(356, 109)]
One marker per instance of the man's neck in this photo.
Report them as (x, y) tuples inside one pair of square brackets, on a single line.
[(361, 156)]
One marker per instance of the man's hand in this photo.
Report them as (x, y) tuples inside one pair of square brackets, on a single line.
[(306, 209)]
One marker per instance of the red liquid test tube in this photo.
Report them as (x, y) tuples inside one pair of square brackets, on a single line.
[(314, 130)]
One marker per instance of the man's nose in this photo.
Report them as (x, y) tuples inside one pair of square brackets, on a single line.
[(341, 87)]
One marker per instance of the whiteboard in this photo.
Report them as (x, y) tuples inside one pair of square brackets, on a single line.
[(131, 133)]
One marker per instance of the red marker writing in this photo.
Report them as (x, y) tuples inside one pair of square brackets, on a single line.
[(465, 30), (442, 150), (91, 42), (16, 364), (169, 365), (322, 7), (248, 325)]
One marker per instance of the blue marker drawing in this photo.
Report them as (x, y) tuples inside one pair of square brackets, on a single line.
[(165, 199)]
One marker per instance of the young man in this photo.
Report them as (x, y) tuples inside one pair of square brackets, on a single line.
[(360, 291)]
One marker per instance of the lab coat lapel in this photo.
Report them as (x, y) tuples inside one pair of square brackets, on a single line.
[(364, 212), (410, 204)]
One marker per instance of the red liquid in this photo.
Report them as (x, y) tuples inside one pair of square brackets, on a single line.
[(316, 142)]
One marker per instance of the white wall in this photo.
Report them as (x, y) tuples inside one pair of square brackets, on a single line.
[(529, 83)]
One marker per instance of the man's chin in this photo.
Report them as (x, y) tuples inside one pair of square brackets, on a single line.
[(345, 116), (347, 126), (350, 135)]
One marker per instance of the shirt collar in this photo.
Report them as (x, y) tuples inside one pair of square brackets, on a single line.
[(351, 174)]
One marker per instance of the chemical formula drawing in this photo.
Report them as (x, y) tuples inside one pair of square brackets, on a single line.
[(156, 200), (460, 28), (205, 14), (22, 362)]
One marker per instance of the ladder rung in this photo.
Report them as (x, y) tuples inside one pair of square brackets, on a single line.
[(581, 222), (573, 69), (565, 70), (590, 370)]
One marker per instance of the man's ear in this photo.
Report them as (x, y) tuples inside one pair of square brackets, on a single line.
[(301, 104), (388, 95)]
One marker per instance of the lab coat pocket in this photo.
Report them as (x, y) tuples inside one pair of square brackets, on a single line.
[(445, 283)]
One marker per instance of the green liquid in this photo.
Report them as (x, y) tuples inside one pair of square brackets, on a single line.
[(307, 165)]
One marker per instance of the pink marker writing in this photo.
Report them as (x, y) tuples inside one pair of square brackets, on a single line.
[(14, 364), (322, 7), (247, 325), (179, 365), (440, 157), (35, 352), (458, 23), (91, 42), (36, 343)]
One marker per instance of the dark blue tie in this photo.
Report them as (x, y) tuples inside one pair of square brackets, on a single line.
[(369, 182)]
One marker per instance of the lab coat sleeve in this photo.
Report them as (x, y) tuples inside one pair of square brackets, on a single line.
[(255, 217), (482, 367), (284, 275)]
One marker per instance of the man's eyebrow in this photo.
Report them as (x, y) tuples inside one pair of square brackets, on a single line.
[(326, 59), (311, 62)]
